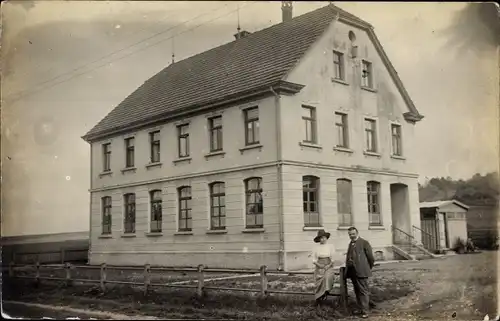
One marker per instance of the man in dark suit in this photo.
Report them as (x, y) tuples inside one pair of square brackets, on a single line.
[(359, 264)]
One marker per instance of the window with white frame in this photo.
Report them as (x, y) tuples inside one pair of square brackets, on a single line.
[(310, 201), (215, 131), (366, 74), (183, 137), (154, 142), (129, 152), (342, 128), (309, 119), (155, 203), (370, 135), (397, 146), (254, 203), (373, 194), (106, 215), (129, 214), (185, 209), (106, 157), (217, 206), (344, 202), (252, 134), (338, 65)]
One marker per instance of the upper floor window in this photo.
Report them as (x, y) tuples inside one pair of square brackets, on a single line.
[(154, 142), (129, 217), (254, 204), (371, 135), (252, 126), (183, 134), (310, 196), (106, 214), (215, 130), (217, 206), (397, 146), (341, 125), (155, 201), (129, 152), (373, 193), (367, 74), (344, 202), (338, 65), (309, 118), (106, 157), (185, 209)]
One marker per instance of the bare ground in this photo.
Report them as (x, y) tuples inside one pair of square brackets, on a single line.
[(461, 287)]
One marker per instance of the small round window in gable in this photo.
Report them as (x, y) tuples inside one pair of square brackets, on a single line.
[(354, 47)]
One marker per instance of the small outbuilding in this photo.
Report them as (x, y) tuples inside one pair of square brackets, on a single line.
[(442, 223)]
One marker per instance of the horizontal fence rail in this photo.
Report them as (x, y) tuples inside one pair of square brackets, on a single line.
[(199, 278)]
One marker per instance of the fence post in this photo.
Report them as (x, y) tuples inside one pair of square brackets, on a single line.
[(343, 288), (147, 278), (63, 252), (263, 281), (37, 273), (67, 267), (103, 277), (201, 281)]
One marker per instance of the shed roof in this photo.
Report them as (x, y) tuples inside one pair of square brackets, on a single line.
[(439, 204)]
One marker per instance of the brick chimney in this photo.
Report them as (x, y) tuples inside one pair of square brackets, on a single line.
[(241, 34), (286, 10)]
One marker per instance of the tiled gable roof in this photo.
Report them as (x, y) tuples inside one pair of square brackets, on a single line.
[(259, 60)]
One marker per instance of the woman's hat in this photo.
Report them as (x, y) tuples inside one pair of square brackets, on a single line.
[(321, 233)]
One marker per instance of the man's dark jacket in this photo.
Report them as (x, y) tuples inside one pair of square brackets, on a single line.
[(362, 258)]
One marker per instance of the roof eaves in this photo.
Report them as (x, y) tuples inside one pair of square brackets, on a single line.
[(413, 115), (280, 87)]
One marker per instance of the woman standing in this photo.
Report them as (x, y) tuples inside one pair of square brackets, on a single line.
[(323, 255)]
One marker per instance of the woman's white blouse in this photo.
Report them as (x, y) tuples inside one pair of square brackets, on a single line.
[(323, 250)]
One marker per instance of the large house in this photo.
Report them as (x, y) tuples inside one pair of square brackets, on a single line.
[(236, 156)]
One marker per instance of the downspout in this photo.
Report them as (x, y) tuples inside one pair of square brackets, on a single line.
[(90, 209), (279, 164)]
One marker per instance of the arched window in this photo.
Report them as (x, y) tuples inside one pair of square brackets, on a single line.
[(254, 204), (217, 206), (373, 193), (106, 215), (129, 217), (310, 197), (344, 202), (155, 201), (185, 215)]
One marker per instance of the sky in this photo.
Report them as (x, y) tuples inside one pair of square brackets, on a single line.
[(65, 65)]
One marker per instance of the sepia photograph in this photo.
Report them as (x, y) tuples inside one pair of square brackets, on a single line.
[(250, 160)]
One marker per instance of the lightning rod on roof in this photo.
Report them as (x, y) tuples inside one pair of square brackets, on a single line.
[(238, 14), (173, 49)]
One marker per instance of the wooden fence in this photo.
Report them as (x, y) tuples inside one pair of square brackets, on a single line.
[(200, 271)]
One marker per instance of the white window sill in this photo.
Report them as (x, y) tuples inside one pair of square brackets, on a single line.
[(377, 227), (107, 173), (340, 81), (249, 147), (343, 228), (343, 149), (310, 145), (155, 164), (127, 235), (312, 228), (398, 157), (373, 90), (217, 231), (153, 234), (215, 153), (373, 154), (106, 236), (184, 233), (183, 159), (254, 230), (128, 169)]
